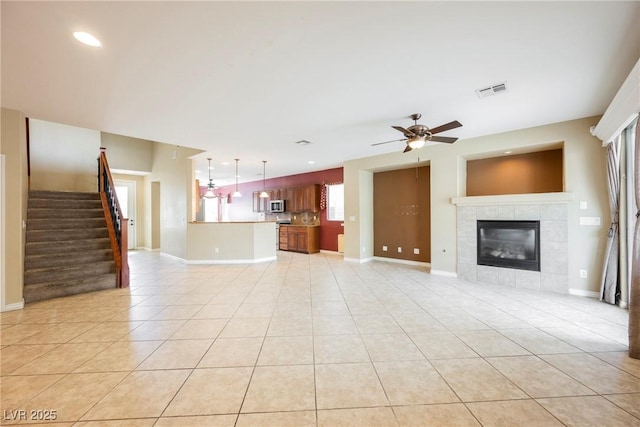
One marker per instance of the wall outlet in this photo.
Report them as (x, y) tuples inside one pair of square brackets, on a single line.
[(399, 249), (216, 250), (352, 218), (416, 251), (384, 249), (364, 249), (583, 274), (583, 204)]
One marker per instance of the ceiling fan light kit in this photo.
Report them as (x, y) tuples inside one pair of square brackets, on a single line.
[(416, 136)]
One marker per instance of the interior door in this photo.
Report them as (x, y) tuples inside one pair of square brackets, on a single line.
[(126, 191)]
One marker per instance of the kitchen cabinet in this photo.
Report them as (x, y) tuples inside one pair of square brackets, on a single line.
[(297, 199), (300, 238), (312, 198), (303, 199)]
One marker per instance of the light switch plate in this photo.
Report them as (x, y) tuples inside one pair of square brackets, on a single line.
[(589, 220)]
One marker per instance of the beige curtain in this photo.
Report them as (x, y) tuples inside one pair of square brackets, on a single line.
[(634, 291), (609, 283)]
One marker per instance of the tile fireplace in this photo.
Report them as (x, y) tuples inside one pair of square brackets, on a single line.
[(484, 221)]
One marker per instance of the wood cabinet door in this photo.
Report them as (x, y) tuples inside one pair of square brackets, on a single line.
[(292, 241), (299, 196), (302, 241), (312, 198), (283, 239)]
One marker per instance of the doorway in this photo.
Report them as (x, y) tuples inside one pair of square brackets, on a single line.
[(126, 191)]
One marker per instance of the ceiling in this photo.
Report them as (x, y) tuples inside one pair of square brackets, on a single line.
[(248, 79)]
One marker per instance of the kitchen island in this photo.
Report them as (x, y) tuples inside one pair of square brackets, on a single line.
[(231, 242)]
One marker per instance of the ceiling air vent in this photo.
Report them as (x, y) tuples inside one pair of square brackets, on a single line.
[(491, 90)]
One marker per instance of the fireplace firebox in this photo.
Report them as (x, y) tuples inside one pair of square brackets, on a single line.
[(509, 244)]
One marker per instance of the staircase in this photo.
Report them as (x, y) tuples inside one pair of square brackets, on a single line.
[(67, 250)]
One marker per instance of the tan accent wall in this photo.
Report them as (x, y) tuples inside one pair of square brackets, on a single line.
[(63, 158), (173, 170), (538, 172), (14, 147), (128, 154), (401, 214), (153, 224)]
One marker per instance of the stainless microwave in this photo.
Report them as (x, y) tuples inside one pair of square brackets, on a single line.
[(276, 206)]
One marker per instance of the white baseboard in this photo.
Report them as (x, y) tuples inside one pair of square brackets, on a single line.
[(358, 260), (230, 261), (14, 306), (443, 273), (583, 293), (173, 257), (403, 261)]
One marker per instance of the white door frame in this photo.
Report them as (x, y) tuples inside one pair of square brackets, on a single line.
[(131, 209)]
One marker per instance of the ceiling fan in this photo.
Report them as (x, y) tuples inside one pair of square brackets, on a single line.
[(417, 135)]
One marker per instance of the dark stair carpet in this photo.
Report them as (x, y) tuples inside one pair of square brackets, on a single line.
[(67, 249)]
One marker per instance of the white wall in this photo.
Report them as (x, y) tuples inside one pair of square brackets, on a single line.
[(62, 157), (584, 175)]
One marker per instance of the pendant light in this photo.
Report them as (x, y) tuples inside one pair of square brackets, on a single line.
[(237, 193), (264, 193), (209, 194)]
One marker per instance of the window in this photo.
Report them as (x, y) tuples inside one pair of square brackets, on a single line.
[(335, 202)]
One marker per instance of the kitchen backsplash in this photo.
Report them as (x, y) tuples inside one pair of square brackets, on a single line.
[(305, 218)]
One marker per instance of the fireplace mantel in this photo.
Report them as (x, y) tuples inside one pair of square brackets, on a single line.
[(513, 199)]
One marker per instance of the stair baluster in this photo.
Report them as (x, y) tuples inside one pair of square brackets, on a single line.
[(116, 223)]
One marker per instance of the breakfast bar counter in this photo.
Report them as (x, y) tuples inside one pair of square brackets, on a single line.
[(231, 242)]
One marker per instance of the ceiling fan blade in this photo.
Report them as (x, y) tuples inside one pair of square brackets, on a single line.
[(406, 132), (446, 139), (408, 148), (451, 125), (386, 142)]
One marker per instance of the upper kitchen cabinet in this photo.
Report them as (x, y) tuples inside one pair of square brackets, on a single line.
[(312, 198), (297, 199), (304, 199)]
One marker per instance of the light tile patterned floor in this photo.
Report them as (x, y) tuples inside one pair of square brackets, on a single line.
[(309, 340)]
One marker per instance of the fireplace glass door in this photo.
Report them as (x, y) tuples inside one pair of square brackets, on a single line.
[(509, 244)]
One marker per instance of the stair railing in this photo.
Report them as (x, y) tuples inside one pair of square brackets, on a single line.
[(116, 222)]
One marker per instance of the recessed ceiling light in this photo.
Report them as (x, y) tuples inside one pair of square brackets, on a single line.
[(508, 152), (86, 38), (311, 162), (225, 163)]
